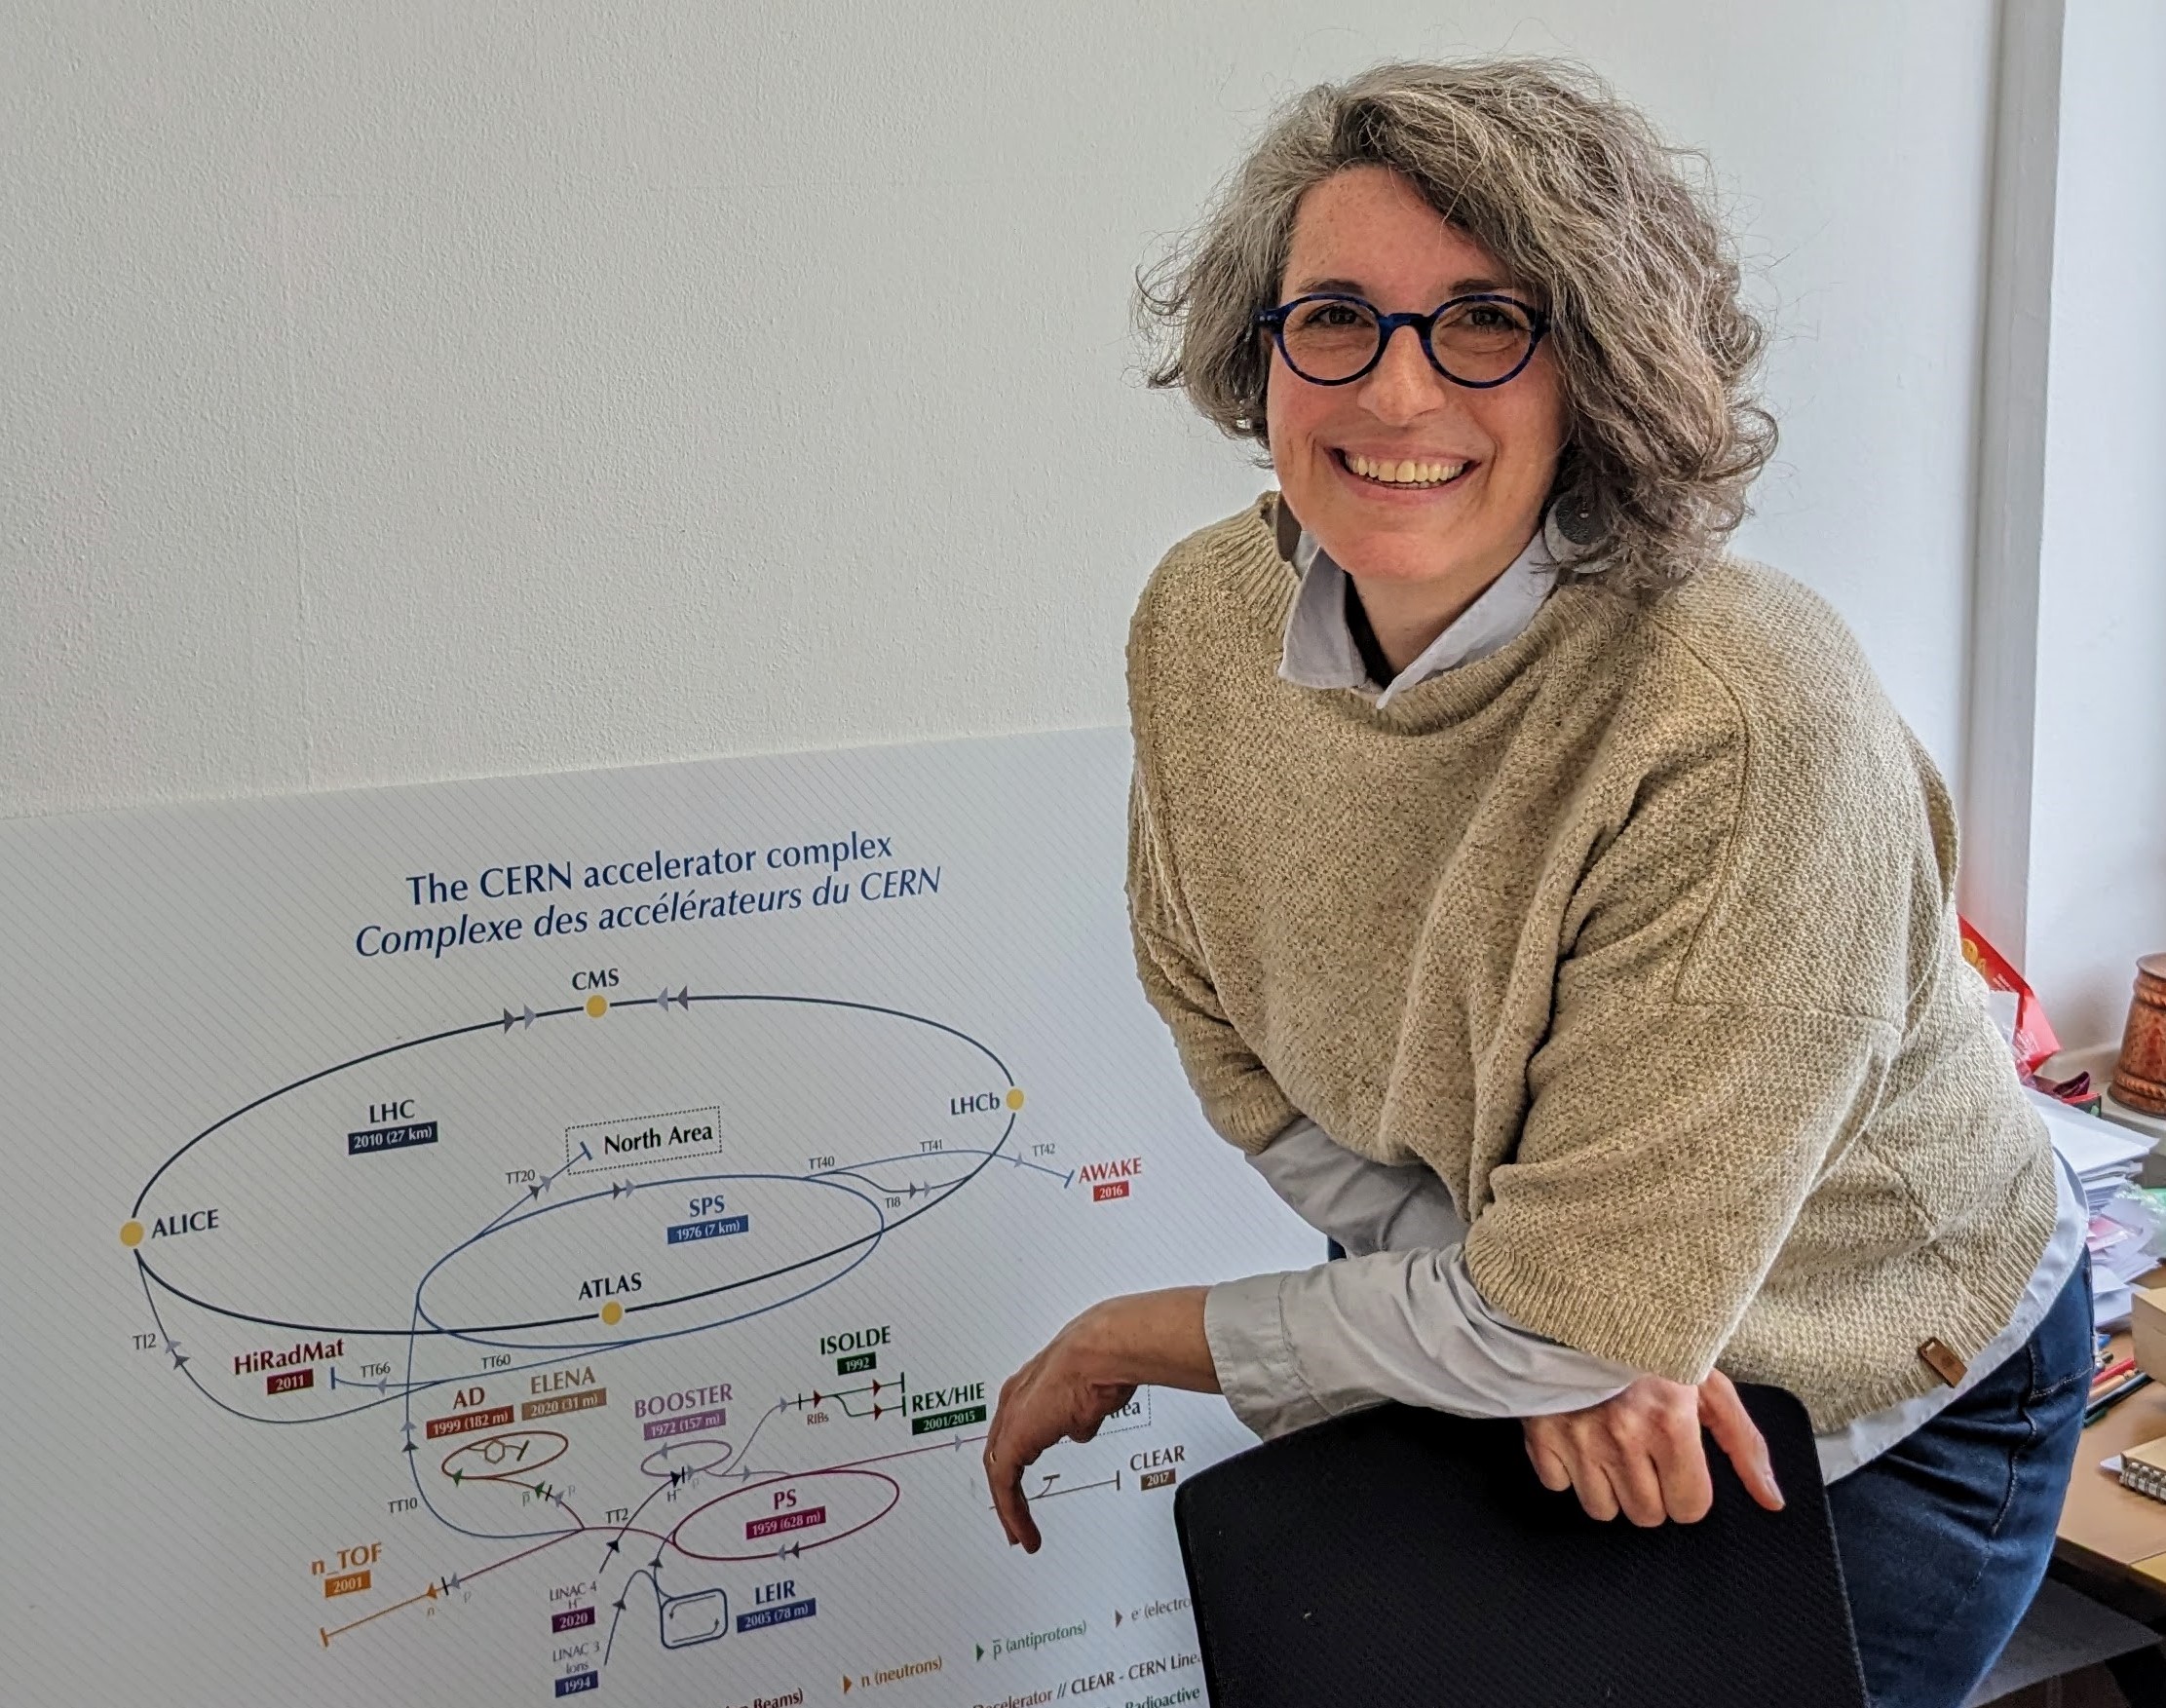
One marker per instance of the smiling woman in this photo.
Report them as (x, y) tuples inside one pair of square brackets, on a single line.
[(1552, 907), (1532, 182), (1421, 482)]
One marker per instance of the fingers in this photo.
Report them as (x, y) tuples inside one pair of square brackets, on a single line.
[(1550, 1466), (1737, 1435), (1597, 1498), (1036, 1407), (1639, 1452), (1638, 1488), (1005, 1479), (1679, 1460), (1566, 1455), (1008, 1453)]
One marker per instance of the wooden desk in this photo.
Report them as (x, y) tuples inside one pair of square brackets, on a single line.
[(2103, 1527), (2111, 1542), (2106, 1533)]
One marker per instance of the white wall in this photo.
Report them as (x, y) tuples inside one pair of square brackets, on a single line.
[(405, 391), (2097, 887)]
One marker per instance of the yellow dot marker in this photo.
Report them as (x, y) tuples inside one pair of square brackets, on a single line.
[(613, 1313), (132, 1234), (1014, 1097), (596, 1006)]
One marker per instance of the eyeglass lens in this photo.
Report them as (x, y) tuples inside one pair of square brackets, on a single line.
[(1334, 339)]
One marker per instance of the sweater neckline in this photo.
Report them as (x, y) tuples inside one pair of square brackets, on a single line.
[(1450, 696)]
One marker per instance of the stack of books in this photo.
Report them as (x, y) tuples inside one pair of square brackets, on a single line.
[(2144, 1469)]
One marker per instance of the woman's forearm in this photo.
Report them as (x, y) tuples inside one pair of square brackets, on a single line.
[(1147, 1340)]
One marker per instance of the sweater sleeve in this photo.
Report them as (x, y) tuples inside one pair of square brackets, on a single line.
[(1673, 1141), (1719, 1031), (1239, 1098)]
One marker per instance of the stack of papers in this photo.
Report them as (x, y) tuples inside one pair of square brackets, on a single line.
[(2124, 1239), (2105, 1156)]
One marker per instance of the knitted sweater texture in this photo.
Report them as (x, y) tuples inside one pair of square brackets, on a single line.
[(1639, 933)]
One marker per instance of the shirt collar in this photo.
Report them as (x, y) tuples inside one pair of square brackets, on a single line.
[(1319, 650)]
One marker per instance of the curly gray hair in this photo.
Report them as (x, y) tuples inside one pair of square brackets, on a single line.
[(1575, 193)]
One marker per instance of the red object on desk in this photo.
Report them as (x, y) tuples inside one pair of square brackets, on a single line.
[(2035, 1040)]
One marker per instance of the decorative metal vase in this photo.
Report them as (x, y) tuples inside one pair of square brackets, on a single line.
[(2140, 1076)]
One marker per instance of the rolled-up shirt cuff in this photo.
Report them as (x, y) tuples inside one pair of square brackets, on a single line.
[(1246, 1326)]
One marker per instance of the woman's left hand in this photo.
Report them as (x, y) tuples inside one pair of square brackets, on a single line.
[(1641, 1453), (1088, 1372)]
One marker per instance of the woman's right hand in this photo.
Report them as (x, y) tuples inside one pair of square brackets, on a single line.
[(1640, 1453)]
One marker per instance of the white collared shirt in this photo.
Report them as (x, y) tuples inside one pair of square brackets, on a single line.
[(1319, 650)]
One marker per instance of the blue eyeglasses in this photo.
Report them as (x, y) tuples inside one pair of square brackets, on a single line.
[(1478, 341)]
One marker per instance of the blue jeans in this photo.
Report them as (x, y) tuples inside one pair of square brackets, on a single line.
[(1945, 1536)]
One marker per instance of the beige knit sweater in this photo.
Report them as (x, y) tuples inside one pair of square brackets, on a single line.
[(1638, 931)]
